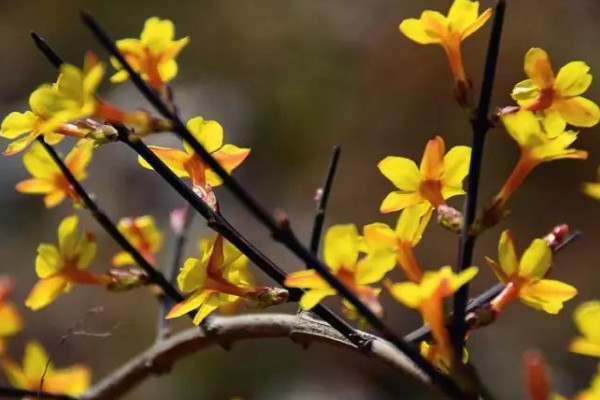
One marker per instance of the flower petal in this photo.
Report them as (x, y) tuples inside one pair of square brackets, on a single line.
[(78, 159), (14, 373), (456, 166), (211, 304), (308, 279), (46, 291), (407, 293), (340, 247), (587, 319), (16, 124), (432, 163), (192, 274), (415, 30), (175, 159), (35, 186), (578, 111), (73, 381), (402, 172), (34, 361), (573, 79), (313, 297), (192, 302), (48, 260), (507, 254), (396, 201), (67, 236), (462, 14), (536, 260), (479, 22), (539, 68), (11, 319), (208, 132), (547, 295)]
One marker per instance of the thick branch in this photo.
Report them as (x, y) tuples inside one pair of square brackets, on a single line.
[(159, 358)]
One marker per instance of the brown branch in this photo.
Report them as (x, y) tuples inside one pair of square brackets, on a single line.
[(160, 358)]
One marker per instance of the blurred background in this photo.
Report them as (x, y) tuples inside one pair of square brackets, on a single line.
[(290, 79)]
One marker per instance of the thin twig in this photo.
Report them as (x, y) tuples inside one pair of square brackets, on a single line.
[(424, 332), (155, 276), (160, 358), (322, 200), (480, 127), (280, 232), (171, 273)]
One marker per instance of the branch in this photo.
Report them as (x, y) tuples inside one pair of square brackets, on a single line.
[(322, 200), (480, 127), (160, 358), (280, 232)]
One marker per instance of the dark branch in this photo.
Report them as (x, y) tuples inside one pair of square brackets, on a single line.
[(280, 233), (480, 127), (322, 200)]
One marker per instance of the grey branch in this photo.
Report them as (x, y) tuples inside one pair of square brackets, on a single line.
[(159, 358)]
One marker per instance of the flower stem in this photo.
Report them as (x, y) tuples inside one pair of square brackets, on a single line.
[(480, 127)]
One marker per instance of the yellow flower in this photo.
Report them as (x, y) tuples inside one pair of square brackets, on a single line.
[(10, 319), (48, 178), (431, 352), (592, 189), (587, 319), (219, 279), (59, 267), (525, 278), (449, 31), (537, 147), (408, 233), (557, 98), (142, 233), (427, 296), (188, 164), (153, 54), (38, 373), (341, 254), (439, 177)]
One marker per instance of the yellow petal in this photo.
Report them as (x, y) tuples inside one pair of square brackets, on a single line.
[(402, 172), (313, 297), (497, 270), (35, 360), (194, 301), (67, 236), (415, 30), (456, 166), (547, 295), (14, 374), (525, 92), (396, 201), (208, 133), (378, 236), (507, 254), (175, 159), (19, 145), (407, 293), (554, 124), (79, 158), (211, 304), (38, 162), (157, 34), (538, 68), (432, 163), (579, 111), (412, 223), (35, 186), (16, 124), (573, 79), (479, 22), (10, 319), (122, 259), (46, 291), (592, 190), (48, 260), (308, 279), (587, 319), (340, 247), (167, 70), (53, 199), (536, 260), (374, 267), (73, 381), (192, 275), (523, 126), (584, 346), (462, 14)]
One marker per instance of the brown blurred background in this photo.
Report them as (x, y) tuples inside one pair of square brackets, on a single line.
[(290, 79)]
